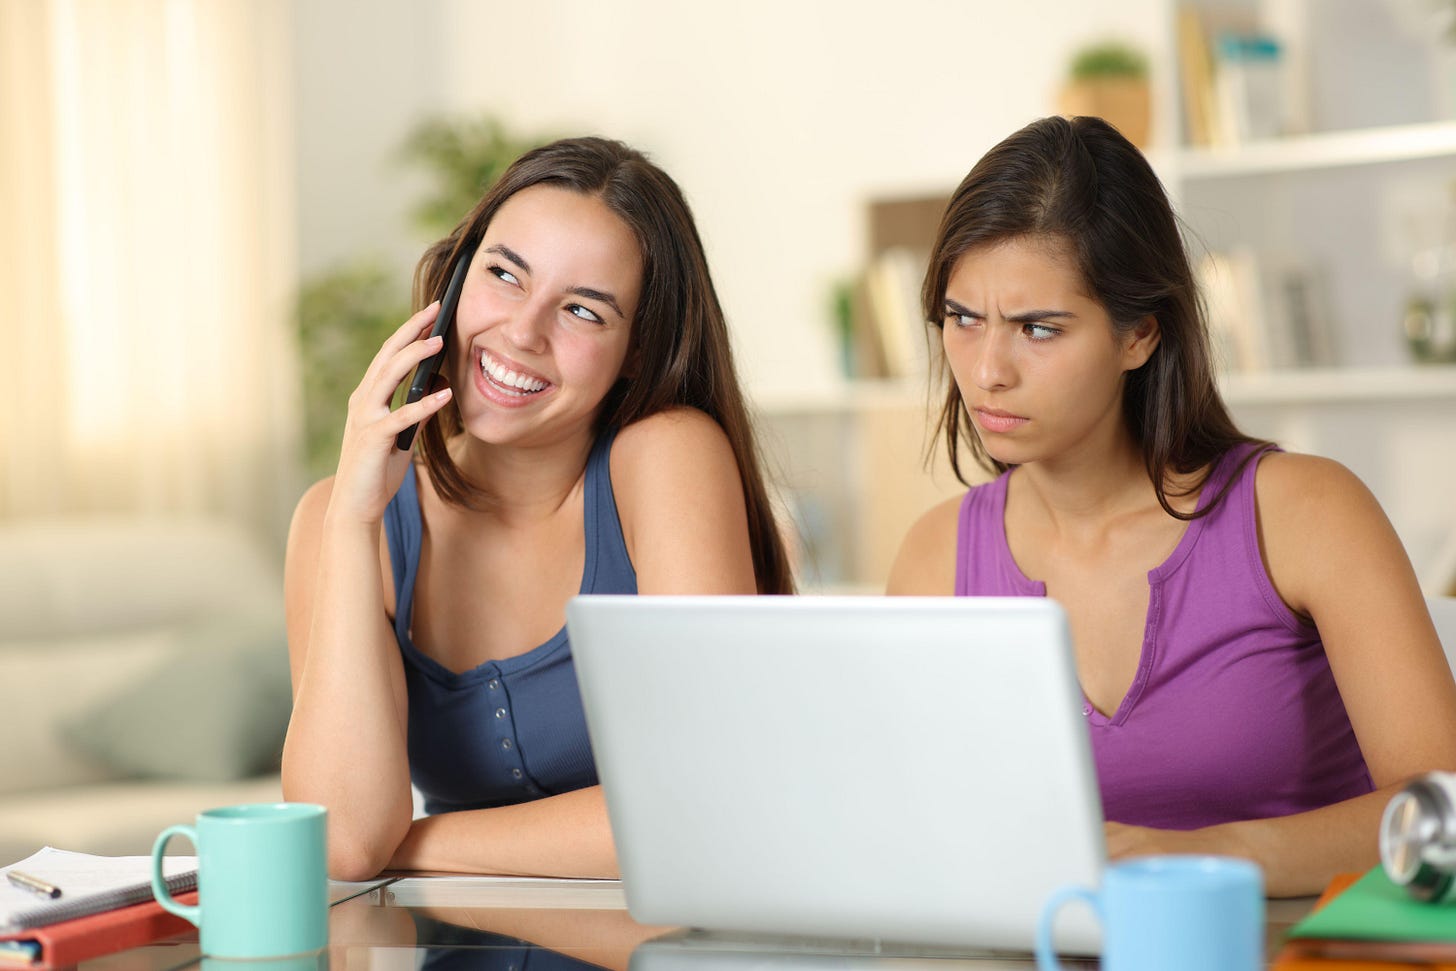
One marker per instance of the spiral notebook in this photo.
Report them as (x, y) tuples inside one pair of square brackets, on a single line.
[(89, 885)]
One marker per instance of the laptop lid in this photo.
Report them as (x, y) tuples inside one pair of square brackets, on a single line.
[(897, 769)]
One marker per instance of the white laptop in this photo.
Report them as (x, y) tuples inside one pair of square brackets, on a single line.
[(867, 768)]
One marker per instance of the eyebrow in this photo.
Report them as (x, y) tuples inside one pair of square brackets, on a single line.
[(587, 292), (601, 295), (1025, 317)]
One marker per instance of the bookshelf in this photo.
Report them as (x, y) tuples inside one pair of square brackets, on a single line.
[(1358, 180), (1357, 185), (1304, 153), (1341, 385)]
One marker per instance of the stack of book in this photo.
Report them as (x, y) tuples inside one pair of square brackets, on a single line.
[(1234, 77), (58, 908), (1367, 923)]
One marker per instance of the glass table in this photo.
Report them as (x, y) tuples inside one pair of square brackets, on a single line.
[(500, 924)]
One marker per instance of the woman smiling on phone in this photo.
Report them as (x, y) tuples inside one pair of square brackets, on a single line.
[(592, 438), (1259, 669)]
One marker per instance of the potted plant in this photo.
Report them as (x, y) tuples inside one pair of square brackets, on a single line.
[(1109, 79)]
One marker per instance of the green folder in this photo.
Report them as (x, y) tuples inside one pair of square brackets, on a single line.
[(1374, 909)]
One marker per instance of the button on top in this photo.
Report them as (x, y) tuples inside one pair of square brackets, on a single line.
[(500, 713), (506, 744), (516, 773), (1086, 709), (492, 684)]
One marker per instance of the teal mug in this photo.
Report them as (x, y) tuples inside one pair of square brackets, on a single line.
[(262, 879), (1192, 913)]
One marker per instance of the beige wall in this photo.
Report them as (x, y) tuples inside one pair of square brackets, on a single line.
[(779, 119)]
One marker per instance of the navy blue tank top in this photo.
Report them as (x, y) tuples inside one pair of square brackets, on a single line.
[(512, 730)]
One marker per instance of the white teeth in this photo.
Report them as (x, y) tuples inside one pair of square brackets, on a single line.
[(504, 376)]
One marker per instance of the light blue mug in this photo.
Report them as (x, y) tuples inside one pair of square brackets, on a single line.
[(262, 879), (1192, 913)]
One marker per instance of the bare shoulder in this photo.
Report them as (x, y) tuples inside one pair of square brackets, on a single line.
[(668, 450), (1319, 528), (680, 498), (1290, 478), (1306, 496), (666, 434), (925, 564)]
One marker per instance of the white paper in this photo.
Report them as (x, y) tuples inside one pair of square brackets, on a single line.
[(80, 876)]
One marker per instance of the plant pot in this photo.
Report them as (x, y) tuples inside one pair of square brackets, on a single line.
[(1124, 103)]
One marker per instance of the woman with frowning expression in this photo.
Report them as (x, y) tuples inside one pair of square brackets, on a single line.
[(1259, 669), (591, 437)]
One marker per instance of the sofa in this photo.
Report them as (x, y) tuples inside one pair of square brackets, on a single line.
[(143, 678)]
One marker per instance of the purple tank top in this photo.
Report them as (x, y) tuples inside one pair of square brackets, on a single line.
[(1233, 712)]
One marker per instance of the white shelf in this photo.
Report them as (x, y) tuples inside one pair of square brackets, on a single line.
[(849, 397), (1366, 146), (1432, 382), (1337, 385)]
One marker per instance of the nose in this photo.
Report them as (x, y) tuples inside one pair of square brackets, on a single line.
[(528, 327), (993, 367)]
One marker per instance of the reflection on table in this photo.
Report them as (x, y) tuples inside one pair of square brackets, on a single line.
[(495, 924)]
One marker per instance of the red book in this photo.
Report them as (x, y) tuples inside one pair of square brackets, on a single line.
[(82, 938)]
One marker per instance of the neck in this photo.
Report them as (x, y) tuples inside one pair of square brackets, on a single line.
[(1099, 485), (523, 483)]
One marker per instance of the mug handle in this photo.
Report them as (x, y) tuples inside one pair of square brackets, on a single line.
[(159, 888), (1046, 955)]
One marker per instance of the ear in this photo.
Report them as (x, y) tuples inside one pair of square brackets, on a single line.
[(1140, 342)]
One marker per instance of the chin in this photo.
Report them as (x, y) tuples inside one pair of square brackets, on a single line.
[(1007, 453)]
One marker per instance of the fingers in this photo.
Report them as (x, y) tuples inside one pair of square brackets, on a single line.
[(414, 413), (417, 326)]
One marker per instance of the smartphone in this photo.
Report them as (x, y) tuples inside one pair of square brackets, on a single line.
[(430, 366)]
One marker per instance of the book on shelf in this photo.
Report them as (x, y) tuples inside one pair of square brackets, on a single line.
[(1234, 77), (1200, 96), (866, 354), (892, 285), (1233, 298), (1248, 76), (1265, 312)]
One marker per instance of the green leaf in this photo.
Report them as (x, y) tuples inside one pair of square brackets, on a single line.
[(1109, 59)]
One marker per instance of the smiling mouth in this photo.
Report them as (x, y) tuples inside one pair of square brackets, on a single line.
[(508, 381)]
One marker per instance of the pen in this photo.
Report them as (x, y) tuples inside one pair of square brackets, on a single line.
[(33, 884)]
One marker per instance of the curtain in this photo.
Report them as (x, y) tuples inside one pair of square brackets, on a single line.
[(147, 259)]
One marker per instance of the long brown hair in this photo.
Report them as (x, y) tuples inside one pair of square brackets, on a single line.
[(1079, 181), (680, 340)]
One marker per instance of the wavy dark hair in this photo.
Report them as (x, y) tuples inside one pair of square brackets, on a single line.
[(680, 342), (1080, 182)]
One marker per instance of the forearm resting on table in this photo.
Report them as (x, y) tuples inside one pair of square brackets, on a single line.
[(345, 747), (1299, 854), (356, 766), (559, 836), (365, 825)]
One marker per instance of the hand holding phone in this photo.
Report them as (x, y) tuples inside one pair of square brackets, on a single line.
[(430, 366)]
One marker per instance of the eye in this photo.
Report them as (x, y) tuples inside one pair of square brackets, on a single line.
[(1039, 332), (957, 319), (577, 310), (505, 275)]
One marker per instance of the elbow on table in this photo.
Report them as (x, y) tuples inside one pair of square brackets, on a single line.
[(354, 859)]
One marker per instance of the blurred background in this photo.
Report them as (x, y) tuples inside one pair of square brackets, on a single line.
[(210, 210), (212, 207)]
